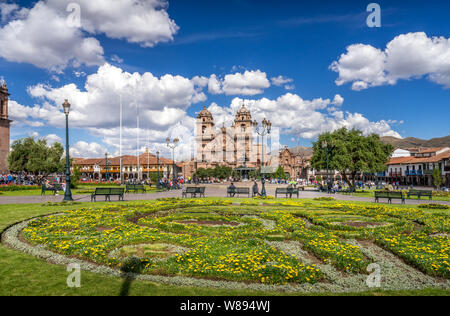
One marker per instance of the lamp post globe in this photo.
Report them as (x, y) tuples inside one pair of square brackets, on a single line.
[(263, 130), (67, 192), (326, 147), (157, 171), (172, 146), (106, 168)]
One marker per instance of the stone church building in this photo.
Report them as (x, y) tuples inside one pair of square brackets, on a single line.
[(5, 124), (237, 147)]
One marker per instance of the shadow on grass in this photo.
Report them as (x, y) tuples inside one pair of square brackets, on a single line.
[(131, 267)]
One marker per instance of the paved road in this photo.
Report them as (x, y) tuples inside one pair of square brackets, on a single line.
[(211, 191)]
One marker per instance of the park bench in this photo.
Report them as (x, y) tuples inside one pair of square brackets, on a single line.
[(107, 193), (55, 188), (349, 190), (233, 191), (389, 196), (420, 193), (322, 188), (135, 188), (287, 191), (193, 191)]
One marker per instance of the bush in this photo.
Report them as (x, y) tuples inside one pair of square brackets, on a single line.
[(441, 193), (324, 199), (432, 206), (13, 188)]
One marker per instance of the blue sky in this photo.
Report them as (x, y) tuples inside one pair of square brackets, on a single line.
[(298, 40)]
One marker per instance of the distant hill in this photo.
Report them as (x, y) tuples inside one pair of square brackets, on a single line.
[(412, 142)]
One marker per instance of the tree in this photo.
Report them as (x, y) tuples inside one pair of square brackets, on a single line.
[(76, 176), (223, 172), (35, 156), (279, 174), (210, 172), (351, 153), (201, 173), (437, 178)]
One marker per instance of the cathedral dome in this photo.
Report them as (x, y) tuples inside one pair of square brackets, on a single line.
[(243, 114), (204, 113), (243, 110)]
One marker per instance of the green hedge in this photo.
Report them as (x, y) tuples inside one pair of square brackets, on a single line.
[(19, 188)]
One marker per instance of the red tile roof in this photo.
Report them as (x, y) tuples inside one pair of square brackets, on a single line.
[(126, 160), (412, 160)]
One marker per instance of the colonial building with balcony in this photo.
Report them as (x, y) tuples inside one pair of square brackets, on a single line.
[(133, 167), (417, 168)]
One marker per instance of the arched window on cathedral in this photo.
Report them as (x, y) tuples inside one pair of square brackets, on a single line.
[(203, 129), (243, 128)]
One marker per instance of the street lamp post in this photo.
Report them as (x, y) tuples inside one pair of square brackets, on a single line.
[(68, 192), (328, 150), (173, 145), (157, 172), (106, 167), (262, 131)]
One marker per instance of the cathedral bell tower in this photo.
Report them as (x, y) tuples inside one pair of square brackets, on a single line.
[(205, 134), (5, 124), (243, 139)]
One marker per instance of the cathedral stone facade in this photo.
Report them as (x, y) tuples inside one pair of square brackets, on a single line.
[(237, 147), (5, 124), (231, 146)]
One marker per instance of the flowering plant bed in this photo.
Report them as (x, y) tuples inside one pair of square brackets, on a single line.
[(323, 245)]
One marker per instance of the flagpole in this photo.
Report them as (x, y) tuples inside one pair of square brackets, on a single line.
[(120, 141), (137, 137)]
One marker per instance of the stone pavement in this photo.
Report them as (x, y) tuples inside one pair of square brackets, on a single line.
[(213, 190)]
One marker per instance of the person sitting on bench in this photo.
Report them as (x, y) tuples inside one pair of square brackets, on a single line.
[(255, 189), (290, 189), (232, 189)]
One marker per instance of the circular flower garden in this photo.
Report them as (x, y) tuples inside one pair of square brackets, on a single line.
[(287, 246)]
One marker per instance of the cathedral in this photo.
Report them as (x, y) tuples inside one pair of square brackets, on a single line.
[(237, 147), (5, 124), (233, 146)]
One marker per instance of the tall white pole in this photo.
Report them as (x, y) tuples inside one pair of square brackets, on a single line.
[(137, 138), (120, 141)]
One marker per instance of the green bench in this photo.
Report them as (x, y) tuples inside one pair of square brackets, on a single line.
[(135, 188), (193, 191), (55, 188), (107, 193), (420, 193), (233, 191), (349, 190), (287, 191), (389, 196)]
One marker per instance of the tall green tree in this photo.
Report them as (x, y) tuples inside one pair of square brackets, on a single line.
[(437, 178), (201, 173), (280, 173), (35, 156), (351, 153), (222, 172)]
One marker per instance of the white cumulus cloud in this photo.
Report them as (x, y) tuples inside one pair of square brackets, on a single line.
[(303, 118), (42, 36), (408, 56)]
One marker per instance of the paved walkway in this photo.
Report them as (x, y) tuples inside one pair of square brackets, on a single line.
[(211, 191)]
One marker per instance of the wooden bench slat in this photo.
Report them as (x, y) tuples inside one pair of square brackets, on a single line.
[(287, 191)]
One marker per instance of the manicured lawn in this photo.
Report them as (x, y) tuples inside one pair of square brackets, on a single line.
[(21, 274), (81, 190)]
